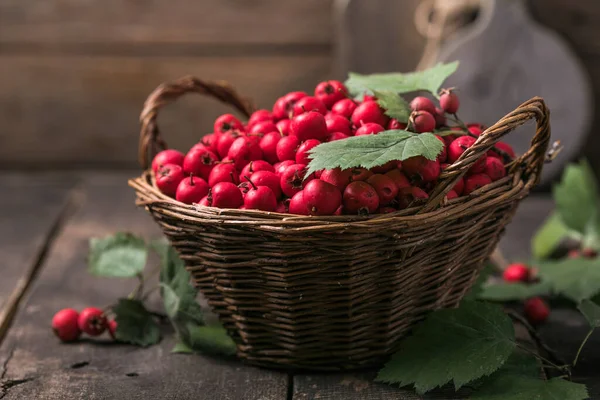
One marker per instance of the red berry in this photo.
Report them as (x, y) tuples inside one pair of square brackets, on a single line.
[(244, 150), (281, 166), (112, 329), (191, 190), (504, 147), (337, 177), (421, 168), (310, 125), (92, 321), (204, 202), (360, 197), (382, 169), (210, 142), (395, 124), (292, 179), (368, 97), (167, 157), (307, 104), (255, 166), (65, 326), (225, 141), (168, 178), (459, 187), (387, 210), (297, 204), (449, 101), (516, 273), (223, 172), (330, 92), (459, 146), (422, 121), (385, 187), (360, 174), (421, 103), (260, 128), (260, 198), (411, 196), (287, 147), (370, 128), (283, 207), (321, 198), (227, 122), (440, 117), (475, 129), (337, 123), (284, 105), (225, 195), (398, 178), (369, 111), (268, 145), (344, 107), (336, 136), (302, 155), (451, 195), (283, 127), (269, 179), (444, 153), (494, 168), (536, 310), (475, 182), (199, 162), (260, 116)]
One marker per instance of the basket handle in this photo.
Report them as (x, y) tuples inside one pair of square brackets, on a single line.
[(531, 162), (151, 141)]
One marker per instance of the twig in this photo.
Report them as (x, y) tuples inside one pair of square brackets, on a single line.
[(581, 346)]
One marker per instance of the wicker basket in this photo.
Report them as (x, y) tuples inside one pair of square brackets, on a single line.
[(334, 293)]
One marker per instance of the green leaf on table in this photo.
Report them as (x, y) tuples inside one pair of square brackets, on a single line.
[(513, 291), (459, 345), (135, 324), (181, 347), (210, 339), (574, 278), (122, 255), (373, 150), (507, 386), (394, 105), (429, 80), (576, 196), (549, 236), (591, 312)]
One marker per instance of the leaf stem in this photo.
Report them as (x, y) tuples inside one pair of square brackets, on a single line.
[(543, 359), (581, 346), (138, 288)]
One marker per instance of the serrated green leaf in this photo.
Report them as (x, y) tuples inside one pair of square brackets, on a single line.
[(513, 291), (209, 339), (122, 255), (394, 105), (429, 80), (135, 324), (549, 236), (591, 312), (181, 348), (170, 261), (516, 387), (576, 279), (576, 196), (370, 151), (459, 345)]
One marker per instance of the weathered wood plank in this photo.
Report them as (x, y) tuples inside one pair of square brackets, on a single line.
[(71, 111), (37, 366), (176, 21)]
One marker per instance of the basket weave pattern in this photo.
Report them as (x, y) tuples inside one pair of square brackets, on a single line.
[(331, 293)]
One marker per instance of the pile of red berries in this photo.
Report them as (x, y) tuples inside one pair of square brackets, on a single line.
[(68, 324), (261, 164)]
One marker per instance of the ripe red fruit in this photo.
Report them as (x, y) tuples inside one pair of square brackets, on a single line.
[(475, 129), (337, 123), (443, 156), (260, 198), (536, 310), (382, 169), (225, 140), (475, 182), (223, 172), (337, 177), (451, 195), (297, 204), (399, 178), (225, 195), (369, 111), (260, 128), (287, 147), (321, 198), (227, 122), (459, 146), (255, 166), (244, 150), (440, 117), (165, 157), (387, 210), (199, 162), (421, 103), (344, 107), (292, 179), (310, 125), (191, 190), (204, 202), (260, 116), (112, 329), (422, 121), (368, 97), (395, 124), (411, 196), (268, 145), (307, 104), (336, 136), (385, 187), (330, 92), (269, 179), (421, 168), (516, 273), (360, 174), (284, 105), (65, 326), (92, 321), (283, 207), (168, 178), (210, 142), (283, 127), (360, 197), (302, 155), (459, 187), (370, 128), (504, 147), (494, 168), (449, 101), (281, 166)]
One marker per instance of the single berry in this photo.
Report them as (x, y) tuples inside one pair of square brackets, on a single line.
[(225, 195), (223, 172), (310, 125), (421, 168), (307, 104), (368, 97), (281, 166), (321, 198), (255, 166), (168, 178), (440, 117), (459, 146), (260, 116), (204, 202), (422, 121), (475, 129), (268, 145), (443, 156), (65, 325), (330, 92), (459, 186), (112, 329), (244, 150), (421, 103), (302, 154), (369, 111), (283, 127), (199, 162), (165, 157), (451, 195), (336, 136), (385, 187), (227, 122), (260, 198), (516, 273), (283, 207), (411, 196), (191, 190), (382, 169), (284, 105), (449, 101), (503, 147), (260, 128), (292, 179), (370, 128), (210, 142), (398, 178), (344, 107), (287, 147), (360, 198), (92, 321), (494, 168), (269, 179), (297, 205), (536, 310), (395, 124), (475, 182), (337, 177), (225, 141), (360, 174), (337, 123)]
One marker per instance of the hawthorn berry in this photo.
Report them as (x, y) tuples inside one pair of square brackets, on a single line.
[(92, 321), (505, 148), (268, 146), (382, 169), (260, 116), (292, 179), (459, 146), (225, 195), (387, 210), (475, 129), (336, 136), (227, 122), (337, 123), (421, 103), (421, 168), (369, 111), (440, 117), (210, 142), (287, 147), (337, 177), (398, 178), (410, 196), (244, 150), (165, 157), (281, 166), (422, 121), (309, 103), (262, 127), (302, 154), (283, 127), (451, 195), (283, 207), (269, 179), (284, 105), (260, 198), (191, 190), (321, 198), (297, 204), (449, 101), (168, 178), (516, 273), (360, 174), (310, 125), (536, 310), (344, 107), (360, 198), (225, 141), (443, 156), (223, 172), (330, 92), (370, 128), (475, 182), (199, 162), (255, 166), (395, 124), (65, 325), (494, 168), (385, 187)]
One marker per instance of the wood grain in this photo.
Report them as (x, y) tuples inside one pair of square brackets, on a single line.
[(37, 366), (83, 111), (155, 21)]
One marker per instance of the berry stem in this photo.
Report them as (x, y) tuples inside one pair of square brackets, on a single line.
[(252, 183), (582, 345)]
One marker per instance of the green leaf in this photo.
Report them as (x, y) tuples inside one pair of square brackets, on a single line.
[(373, 150), (122, 255), (394, 105), (516, 387), (549, 236), (577, 279), (576, 196), (181, 348), (170, 261), (135, 324), (429, 80), (210, 339), (459, 345), (513, 291), (591, 312)]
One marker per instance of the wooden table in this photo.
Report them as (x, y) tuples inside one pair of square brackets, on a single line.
[(46, 221)]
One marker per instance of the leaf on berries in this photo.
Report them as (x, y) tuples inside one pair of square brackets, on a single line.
[(517, 387), (122, 255), (513, 291), (591, 312), (429, 80), (370, 151), (574, 278), (477, 340), (549, 236), (135, 324), (394, 105), (209, 339)]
